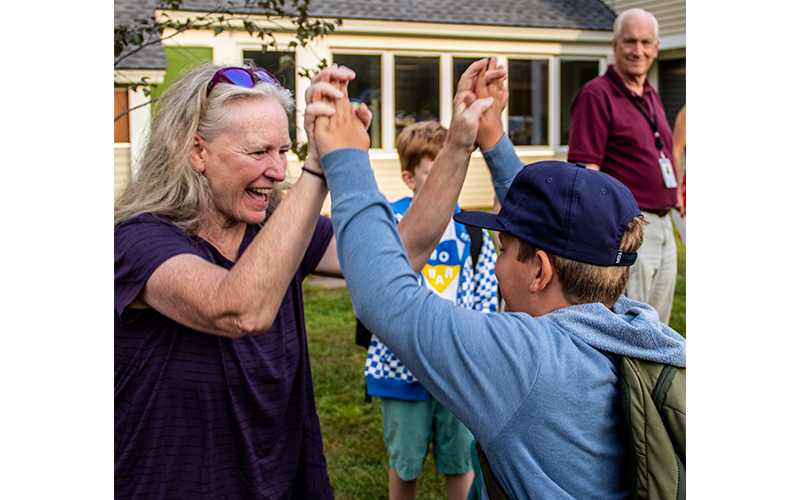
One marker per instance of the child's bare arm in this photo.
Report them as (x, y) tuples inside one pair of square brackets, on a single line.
[(424, 223)]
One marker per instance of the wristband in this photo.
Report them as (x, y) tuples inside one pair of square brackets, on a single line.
[(321, 176)]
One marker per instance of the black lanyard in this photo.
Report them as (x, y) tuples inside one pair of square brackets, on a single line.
[(652, 122)]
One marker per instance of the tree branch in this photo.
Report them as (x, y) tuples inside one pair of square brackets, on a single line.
[(151, 101)]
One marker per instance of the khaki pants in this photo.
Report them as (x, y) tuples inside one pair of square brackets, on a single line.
[(654, 275)]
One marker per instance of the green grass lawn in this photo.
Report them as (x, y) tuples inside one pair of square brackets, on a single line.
[(677, 319), (351, 428)]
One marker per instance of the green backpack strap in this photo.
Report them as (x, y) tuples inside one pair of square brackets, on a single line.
[(659, 395), (493, 487), (654, 408), (625, 392), (663, 383)]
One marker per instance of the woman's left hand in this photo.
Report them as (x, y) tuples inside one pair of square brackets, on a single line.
[(327, 87), (346, 128)]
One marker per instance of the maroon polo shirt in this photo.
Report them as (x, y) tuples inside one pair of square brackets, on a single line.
[(609, 130)]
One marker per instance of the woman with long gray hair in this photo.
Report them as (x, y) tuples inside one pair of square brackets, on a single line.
[(213, 395)]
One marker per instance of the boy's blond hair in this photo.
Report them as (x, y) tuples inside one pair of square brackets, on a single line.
[(419, 141), (584, 283)]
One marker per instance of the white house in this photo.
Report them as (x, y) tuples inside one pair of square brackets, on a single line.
[(408, 56)]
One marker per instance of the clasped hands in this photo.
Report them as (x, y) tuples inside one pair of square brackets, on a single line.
[(332, 122)]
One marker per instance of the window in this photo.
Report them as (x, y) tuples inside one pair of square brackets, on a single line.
[(416, 90), (460, 65), (121, 125), (574, 75), (418, 93), (282, 66), (672, 86), (366, 88), (528, 91)]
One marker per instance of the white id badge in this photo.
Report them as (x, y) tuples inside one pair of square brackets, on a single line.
[(666, 171)]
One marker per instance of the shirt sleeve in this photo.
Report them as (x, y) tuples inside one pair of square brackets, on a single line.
[(317, 247), (589, 127), (504, 165), (141, 245)]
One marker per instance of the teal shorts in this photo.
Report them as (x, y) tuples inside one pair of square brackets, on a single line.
[(408, 428)]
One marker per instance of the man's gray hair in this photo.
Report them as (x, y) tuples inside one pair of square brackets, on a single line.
[(635, 11)]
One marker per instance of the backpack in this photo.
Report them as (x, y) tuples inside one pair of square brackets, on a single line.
[(654, 407)]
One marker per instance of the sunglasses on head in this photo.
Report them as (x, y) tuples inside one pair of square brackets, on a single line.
[(242, 77)]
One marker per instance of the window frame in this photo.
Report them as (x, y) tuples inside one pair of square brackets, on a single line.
[(382, 54), (279, 48), (551, 107), (601, 69), (443, 90), (298, 121), (448, 79)]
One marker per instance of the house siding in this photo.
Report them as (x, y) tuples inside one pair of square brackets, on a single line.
[(122, 167), (389, 38), (671, 14)]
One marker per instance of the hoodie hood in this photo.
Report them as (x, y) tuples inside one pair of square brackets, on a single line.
[(632, 329)]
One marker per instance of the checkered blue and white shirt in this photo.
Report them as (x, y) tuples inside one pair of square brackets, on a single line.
[(476, 289)]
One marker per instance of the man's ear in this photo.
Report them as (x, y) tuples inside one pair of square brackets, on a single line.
[(198, 154), (408, 178), (543, 271)]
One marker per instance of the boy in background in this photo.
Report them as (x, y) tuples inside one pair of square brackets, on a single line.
[(411, 417)]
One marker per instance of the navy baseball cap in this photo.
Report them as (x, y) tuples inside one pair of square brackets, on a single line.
[(566, 209)]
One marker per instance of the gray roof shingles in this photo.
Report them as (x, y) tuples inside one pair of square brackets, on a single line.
[(150, 57), (572, 14), (592, 15)]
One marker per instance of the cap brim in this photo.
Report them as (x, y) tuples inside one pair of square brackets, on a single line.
[(485, 220)]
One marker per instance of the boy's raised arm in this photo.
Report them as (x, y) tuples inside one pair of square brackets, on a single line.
[(490, 128), (423, 224), (497, 149), (480, 90)]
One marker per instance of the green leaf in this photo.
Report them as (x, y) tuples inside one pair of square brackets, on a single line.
[(133, 35), (300, 149)]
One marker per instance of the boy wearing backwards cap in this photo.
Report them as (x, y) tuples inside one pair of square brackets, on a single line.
[(537, 386)]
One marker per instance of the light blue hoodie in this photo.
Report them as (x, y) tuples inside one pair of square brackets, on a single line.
[(537, 393)]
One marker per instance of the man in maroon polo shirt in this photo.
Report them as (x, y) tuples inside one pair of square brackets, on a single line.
[(619, 127)]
